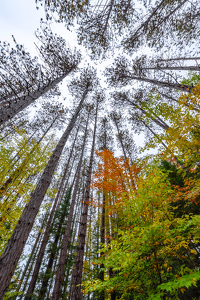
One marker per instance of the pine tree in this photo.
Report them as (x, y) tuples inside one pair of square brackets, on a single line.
[(12, 252), (24, 80)]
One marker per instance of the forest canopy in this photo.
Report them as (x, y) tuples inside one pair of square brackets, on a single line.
[(88, 210)]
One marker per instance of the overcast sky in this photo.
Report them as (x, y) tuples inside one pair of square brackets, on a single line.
[(21, 19)]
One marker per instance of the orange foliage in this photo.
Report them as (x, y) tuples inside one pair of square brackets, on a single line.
[(114, 177)]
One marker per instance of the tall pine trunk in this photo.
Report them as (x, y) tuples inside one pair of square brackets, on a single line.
[(178, 58), (66, 237), (46, 234), (178, 68), (19, 103), (78, 266), (124, 152), (13, 251), (175, 86), (33, 252)]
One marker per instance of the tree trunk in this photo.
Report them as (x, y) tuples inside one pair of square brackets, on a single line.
[(76, 222), (36, 245), (102, 231), (120, 140), (78, 266), (176, 86), (165, 146), (145, 23), (29, 272), (66, 237), (179, 58), (186, 68), (156, 120), (124, 152), (175, 100), (20, 103), (34, 254), (52, 255), (46, 234), (11, 255), (18, 170)]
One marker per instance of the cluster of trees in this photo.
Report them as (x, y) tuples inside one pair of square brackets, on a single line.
[(75, 224)]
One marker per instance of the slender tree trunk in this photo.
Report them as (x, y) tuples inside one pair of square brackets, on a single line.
[(179, 58), (164, 145), (34, 255), (176, 86), (156, 120), (102, 232), (52, 279), (46, 234), (175, 100), (20, 103), (78, 268), (18, 170), (68, 268), (13, 251), (108, 16), (52, 256), (41, 251), (145, 23), (124, 152), (185, 68), (29, 271), (120, 140), (76, 221), (36, 245), (66, 237)]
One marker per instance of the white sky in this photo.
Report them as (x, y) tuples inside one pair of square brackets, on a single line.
[(19, 18)]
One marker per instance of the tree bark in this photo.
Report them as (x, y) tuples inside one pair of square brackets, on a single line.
[(78, 266), (176, 86), (43, 289), (46, 234), (102, 231), (34, 255), (179, 58), (186, 68), (52, 255), (11, 255), (29, 272), (36, 245), (66, 237)]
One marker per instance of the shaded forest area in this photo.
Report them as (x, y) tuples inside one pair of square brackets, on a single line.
[(84, 212)]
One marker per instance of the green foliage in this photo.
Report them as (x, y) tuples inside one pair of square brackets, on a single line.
[(154, 251), (193, 79), (17, 174)]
